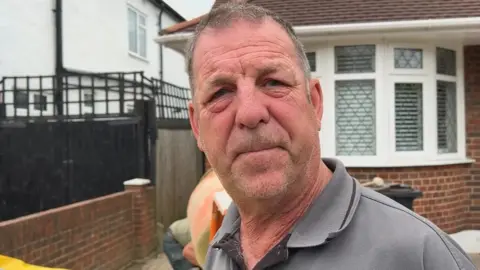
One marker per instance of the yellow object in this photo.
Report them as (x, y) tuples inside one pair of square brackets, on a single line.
[(8, 263)]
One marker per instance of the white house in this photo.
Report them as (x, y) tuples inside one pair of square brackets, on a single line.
[(401, 93), (94, 37)]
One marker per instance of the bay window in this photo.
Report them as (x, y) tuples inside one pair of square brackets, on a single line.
[(389, 104)]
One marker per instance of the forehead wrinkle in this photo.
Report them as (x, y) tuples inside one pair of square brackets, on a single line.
[(246, 57), (210, 66), (219, 53)]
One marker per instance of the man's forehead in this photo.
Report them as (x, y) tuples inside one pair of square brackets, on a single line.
[(265, 45), (241, 33)]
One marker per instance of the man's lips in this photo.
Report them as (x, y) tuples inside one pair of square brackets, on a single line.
[(259, 150)]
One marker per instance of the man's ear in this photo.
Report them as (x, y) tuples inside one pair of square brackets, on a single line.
[(194, 124), (316, 97)]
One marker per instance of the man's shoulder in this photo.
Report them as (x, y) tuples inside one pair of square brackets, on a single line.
[(397, 226), (385, 212)]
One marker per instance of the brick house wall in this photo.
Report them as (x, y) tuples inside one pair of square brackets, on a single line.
[(451, 194), (104, 233), (445, 201), (472, 108)]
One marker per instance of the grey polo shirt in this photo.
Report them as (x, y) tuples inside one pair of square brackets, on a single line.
[(347, 227)]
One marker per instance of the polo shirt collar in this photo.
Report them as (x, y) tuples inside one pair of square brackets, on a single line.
[(329, 214)]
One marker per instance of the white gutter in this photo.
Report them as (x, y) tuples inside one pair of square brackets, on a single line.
[(390, 26), (358, 28), (182, 36)]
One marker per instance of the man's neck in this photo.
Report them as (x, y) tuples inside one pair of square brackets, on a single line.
[(260, 232)]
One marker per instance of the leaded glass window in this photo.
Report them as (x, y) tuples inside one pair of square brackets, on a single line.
[(355, 117), (446, 117), (408, 58), (408, 117), (355, 59), (312, 61), (446, 62)]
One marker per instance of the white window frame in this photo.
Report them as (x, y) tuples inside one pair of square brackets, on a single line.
[(328, 132), (428, 146), (460, 106), (402, 75), (386, 75), (144, 27)]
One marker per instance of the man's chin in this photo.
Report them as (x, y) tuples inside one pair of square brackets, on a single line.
[(262, 185)]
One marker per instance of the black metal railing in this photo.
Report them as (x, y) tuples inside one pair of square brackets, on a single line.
[(83, 95), (171, 100)]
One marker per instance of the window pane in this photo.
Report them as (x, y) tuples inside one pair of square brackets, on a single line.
[(355, 59), (355, 117), (40, 102), (312, 61), (408, 58), (408, 117), (142, 42), (132, 31), (446, 62), (88, 100), (20, 99), (130, 108), (141, 20), (446, 117)]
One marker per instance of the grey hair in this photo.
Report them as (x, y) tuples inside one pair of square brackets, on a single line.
[(224, 15)]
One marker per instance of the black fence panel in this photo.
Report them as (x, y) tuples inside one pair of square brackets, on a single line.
[(102, 155), (61, 144), (32, 169), (45, 165)]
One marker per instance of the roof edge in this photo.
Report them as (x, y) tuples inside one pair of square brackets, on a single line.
[(162, 5), (180, 26), (357, 28)]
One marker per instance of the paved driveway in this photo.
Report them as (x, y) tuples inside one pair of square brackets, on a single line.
[(158, 263), (476, 259)]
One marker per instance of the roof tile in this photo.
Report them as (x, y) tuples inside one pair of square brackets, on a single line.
[(322, 12)]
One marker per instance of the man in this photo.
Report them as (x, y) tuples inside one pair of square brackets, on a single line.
[(256, 113)]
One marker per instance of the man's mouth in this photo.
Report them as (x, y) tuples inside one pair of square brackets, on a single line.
[(258, 150)]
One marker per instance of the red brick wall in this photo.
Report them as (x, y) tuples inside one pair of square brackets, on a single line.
[(144, 220), (444, 201), (103, 233), (472, 103)]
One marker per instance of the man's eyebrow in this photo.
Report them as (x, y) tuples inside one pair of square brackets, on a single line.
[(226, 79), (269, 70), (285, 70), (219, 80)]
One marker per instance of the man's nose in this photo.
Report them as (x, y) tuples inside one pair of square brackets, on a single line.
[(251, 109)]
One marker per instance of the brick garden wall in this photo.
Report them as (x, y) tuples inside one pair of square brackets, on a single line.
[(104, 233), (472, 103)]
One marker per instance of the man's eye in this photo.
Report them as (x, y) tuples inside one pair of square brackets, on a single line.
[(272, 83), (219, 93)]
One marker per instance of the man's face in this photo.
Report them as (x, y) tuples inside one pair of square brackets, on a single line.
[(251, 112)]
